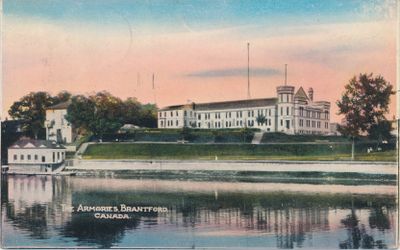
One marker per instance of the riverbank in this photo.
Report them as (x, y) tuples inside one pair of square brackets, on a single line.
[(276, 151), (231, 165)]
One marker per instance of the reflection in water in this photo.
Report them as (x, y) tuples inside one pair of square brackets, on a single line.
[(33, 214)]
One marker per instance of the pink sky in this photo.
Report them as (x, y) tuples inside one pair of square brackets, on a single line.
[(40, 55)]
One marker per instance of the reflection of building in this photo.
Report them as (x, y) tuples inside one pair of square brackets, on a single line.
[(35, 155), (34, 204), (290, 112), (57, 127)]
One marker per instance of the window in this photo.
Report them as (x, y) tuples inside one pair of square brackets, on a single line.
[(199, 124), (269, 112), (22, 157), (62, 155), (15, 157), (252, 113), (288, 124), (184, 113), (281, 110), (176, 113), (58, 155), (160, 114), (36, 157), (199, 116), (301, 111), (54, 156), (29, 157), (43, 158), (177, 123), (287, 110), (162, 123), (172, 114), (281, 122)]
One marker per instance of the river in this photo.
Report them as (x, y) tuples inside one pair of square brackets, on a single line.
[(42, 211)]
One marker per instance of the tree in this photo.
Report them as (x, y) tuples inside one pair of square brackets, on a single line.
[(100, 114), (132, 111), (148, 116), (380, 131), (80, 112), (31, 109), (364, 105), (108, 114), (261, 119)]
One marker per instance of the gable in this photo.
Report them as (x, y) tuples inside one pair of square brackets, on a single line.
[(29, 145), (301, 94)]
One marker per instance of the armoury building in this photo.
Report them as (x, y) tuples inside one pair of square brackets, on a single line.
[(289, 112)]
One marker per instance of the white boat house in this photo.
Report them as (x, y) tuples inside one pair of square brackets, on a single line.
[(27, 155)]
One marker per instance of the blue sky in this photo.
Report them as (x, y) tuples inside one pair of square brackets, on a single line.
[(197, 14)]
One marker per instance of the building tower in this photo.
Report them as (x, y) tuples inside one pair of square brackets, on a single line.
[(285, 107)]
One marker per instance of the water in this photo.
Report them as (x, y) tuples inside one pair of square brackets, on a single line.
[(200, 214)]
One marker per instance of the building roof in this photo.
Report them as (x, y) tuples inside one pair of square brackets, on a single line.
[(63, 105), (252, 103), (36, 144), (301, 94)]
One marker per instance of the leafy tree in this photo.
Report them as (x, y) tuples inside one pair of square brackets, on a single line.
[(148, 116), (31, 109), (81, 112), (108, 114), (380, 131), (132, 111), (261, 119), (364, 104)]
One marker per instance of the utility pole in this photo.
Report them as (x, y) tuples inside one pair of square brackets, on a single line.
[(248, 70), (285, 74), (154, 90)]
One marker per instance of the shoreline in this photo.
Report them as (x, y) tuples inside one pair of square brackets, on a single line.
[(238, 165)]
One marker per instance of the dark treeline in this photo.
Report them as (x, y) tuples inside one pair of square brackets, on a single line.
[(97, 114)]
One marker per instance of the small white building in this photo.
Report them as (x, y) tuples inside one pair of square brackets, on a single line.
[(57, 127), (289, 112), (29, 155)]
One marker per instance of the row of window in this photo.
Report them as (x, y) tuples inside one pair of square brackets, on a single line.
[(169, 123), (312, 124), (285, 97), (35, 157), (313, 114), (310, 132), (250, 123), (217, 115)]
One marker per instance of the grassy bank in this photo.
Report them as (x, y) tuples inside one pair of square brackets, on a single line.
[(192, 135), (323, 152)]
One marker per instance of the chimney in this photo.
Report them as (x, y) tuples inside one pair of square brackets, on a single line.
[(311, 94)]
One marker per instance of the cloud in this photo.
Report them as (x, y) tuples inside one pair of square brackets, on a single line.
[(229, 72)]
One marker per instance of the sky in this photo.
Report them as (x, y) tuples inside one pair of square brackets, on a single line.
[(197, 50)]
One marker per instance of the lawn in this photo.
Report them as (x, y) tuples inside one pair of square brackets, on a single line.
[(304, 152)]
